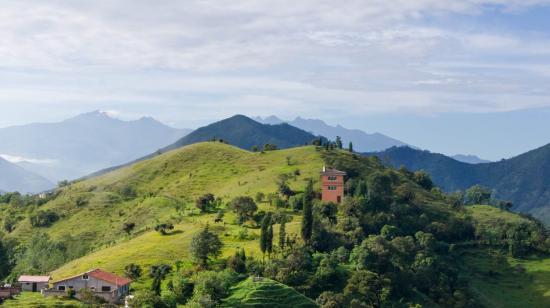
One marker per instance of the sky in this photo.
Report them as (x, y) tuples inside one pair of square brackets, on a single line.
[(466, 76)]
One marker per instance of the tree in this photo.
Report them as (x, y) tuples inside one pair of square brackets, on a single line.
[(163, 228), (264, 234), (128, 227), (339, 142), (4, 260), (328, 210), (132, 271), (145, 298), (284, 189), (478, 195), (205, 202), (205, 244), (350, 147), (282, 234), (270, 147), (368, 287), (254, 148), (43, 218), (158, 273), (244, 207), (238, 262), (423, 179), (307, 219), (260, 196)]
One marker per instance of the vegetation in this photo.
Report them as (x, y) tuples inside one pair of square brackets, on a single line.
[(396, 240)]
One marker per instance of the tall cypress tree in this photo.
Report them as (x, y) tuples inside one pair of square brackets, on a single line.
[(282, 234), (350, 147), (269, 247), (264, 234), (307, 219)]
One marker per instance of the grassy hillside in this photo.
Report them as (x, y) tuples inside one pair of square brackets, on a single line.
[(266, 293), (165, 187), (32, 300)]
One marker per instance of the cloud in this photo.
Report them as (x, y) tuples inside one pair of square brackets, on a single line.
[(21, 159), (184, 59)]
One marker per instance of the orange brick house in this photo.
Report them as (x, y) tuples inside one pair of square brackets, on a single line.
[(332, 185)]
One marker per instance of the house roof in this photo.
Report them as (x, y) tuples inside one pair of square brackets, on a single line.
[(330, 171), (28, 278), (102, 275)]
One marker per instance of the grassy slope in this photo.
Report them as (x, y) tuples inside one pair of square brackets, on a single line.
[(266, 293), (167, 186), (495, 278), (30, 299)]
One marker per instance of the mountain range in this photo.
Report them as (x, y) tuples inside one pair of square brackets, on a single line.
[(362, 141), (524, 179), (15, 178), (83, 144)]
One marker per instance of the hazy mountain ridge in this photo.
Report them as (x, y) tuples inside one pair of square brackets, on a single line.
[(362, 141), (15, 178), (470, 159), (83, 144), (524, 179)]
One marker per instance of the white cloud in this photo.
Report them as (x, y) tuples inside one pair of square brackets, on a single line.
[(19, 159), (192, 57)]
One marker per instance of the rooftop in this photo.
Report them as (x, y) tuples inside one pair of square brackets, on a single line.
[(105, 276), (28, 278), (330, 171)]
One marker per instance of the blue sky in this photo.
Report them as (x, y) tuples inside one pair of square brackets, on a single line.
[(466, 76)]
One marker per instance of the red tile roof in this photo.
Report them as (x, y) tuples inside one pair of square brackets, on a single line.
[(28, 278), (102, 275), (109, 277)]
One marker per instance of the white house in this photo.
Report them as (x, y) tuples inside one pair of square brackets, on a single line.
[(33, 283)]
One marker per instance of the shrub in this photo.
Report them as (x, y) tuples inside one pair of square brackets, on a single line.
[(133, 271), (164, 228), (43, 218)]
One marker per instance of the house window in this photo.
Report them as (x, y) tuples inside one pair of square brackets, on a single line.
[(71, 287), (332, 178), (105, 289), (332, 188), (85, 277), (60, 288)]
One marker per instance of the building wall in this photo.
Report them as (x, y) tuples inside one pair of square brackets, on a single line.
[(27, 286), (336, 194), (80, 283)]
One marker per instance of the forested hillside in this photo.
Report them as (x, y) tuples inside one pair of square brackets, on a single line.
[(193, 225), (524, 179)]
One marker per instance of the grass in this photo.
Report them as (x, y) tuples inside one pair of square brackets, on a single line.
[(266, 293), (166, 188), (489, 215), (500, 281), (152, 248), (35, 299)]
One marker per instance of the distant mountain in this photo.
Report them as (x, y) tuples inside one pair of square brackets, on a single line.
[(362, 142), (15, 178), (83, 144), (470, 159), (524, 179), (245, 133)]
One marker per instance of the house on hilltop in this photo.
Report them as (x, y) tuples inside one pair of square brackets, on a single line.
[(332, 185), (108, 286)]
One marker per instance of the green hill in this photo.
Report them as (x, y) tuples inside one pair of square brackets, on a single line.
[(392, 225), (262, 292), (524, 179)]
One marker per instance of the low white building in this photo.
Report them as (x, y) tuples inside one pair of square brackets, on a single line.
[(33, 283), (108, 286)]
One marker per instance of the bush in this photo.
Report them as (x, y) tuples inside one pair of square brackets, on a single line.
[(43, 218), (133, 271), (164, 228)]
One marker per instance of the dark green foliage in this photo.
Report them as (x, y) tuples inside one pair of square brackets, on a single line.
[(244, 207), (43, 218), (205, 244), (132, 271), (158, 273), (238, 262), (284, 189), (350, 147), (260, 196), (307, 217), (205, 203), (145, 298), (524, 180), (163, 228), (339, 142), (282, 235), (367, 288), (266, 234), (128, 227), (211, 287), (270, 147)]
